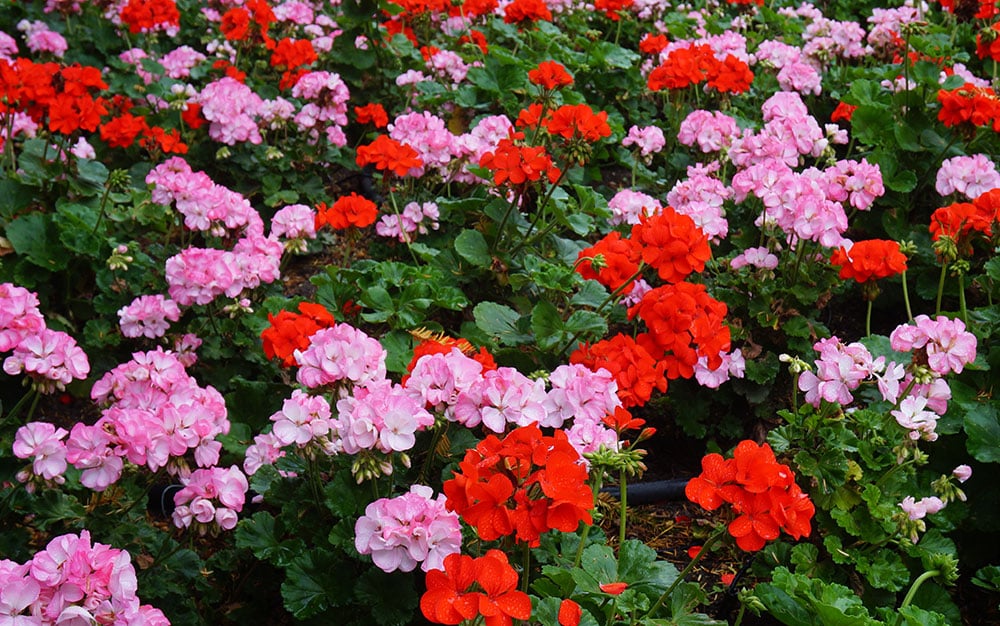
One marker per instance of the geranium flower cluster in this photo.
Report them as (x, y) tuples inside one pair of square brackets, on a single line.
[(693, 64), (762, 492), (210, 499), (414, 528), (289, 331), (522, 486), (415, 219), (325, 111), (155, 413), (970, 176), (869, 260), (74, 581), (465, 588), (954, 228), (51, 358)]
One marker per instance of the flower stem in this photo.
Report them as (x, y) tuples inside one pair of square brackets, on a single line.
[(623, 507), (913, 591), (525, 567), (687, 570), (906, 298), (937, 304), (868, 319), (961, 298), (598, 481)]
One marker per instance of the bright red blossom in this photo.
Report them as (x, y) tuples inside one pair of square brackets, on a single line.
[(145, 15), (289, 331), (520, 11), (550, 75), (611, 261), (347, 211), (385, 153), (672, 244), (373, 114), (516, 165), (467, 588), (653, 44), (870, 260), (634, 369), (761, 491), (578, 121), (525, 484)]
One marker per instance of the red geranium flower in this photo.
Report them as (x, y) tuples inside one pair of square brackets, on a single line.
[(550, 75), (870, 260), (373, 114), (518, 164), (672, 244), (289, 331), (386, 153), (635, 370), (467, 588), (347, 211), (145, 15), (611, 261), (578, 121), (520, 11)]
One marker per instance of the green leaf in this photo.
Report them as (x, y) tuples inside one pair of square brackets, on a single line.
[(261, 534), (547, 325), (472, 246), (592, 294), (546, 611), (399, 348), (392, 597), (34, 236), (983, 429), (501, 322), (587, 325), (314, 582)]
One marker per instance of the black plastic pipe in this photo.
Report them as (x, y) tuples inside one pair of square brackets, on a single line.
[(653, 491)]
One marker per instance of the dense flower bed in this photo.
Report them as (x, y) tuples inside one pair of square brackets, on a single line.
[(349, 310)]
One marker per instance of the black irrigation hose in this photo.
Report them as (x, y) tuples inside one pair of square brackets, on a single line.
[(653, 491)]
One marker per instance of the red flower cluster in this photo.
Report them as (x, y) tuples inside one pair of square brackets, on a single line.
[(516, 164), (578, 121), (653, 44), (249, 22), (672, 244), (684, 323), (870, 260), (843, 112), (969, 104), (550, 75), (762, 491), (521, 11), (634, 369), (467, 588), (961, 222), (987, 8), (988, 42), (288, 56), (526, 484), (385, 153), (611, 261), (696, 64), (612, 8), (347, 211), (144, 15), (289, 331), (122, 131), (373, 114), (66, 95)]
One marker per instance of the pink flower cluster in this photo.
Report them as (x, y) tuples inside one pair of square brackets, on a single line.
[(948, 346), (429, 136), (340, 353), (970, 176), (296, 224), (155, 414), (919, 509), (148, 316), (40, 38), (303, 420), (628, 206), (380, 416), (649, 140), (199, 275), (210, 499), (411, 220), (700, 196), (409, 529), (755, 257), (205, 205), (840, 369), (796, 71), (326, 108), (74, 582), (51, 358), (232, 109), (41, 442), (455, 386), (711, 130)]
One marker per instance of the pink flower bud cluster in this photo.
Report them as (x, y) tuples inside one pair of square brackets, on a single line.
[(73, 581), (919, 509), (51, 358), (211, 499), (414, 528), (325, 111)]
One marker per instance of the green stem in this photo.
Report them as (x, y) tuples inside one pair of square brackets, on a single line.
[(34, 405), (525, 567), (961, 299), (739, 616), (598, 480), (906, 299), (435, 439), (623, 507), (868, 319), (913, 591), (940, 292), (503, 222), (687, 570), (612, 296), (20, 403)]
